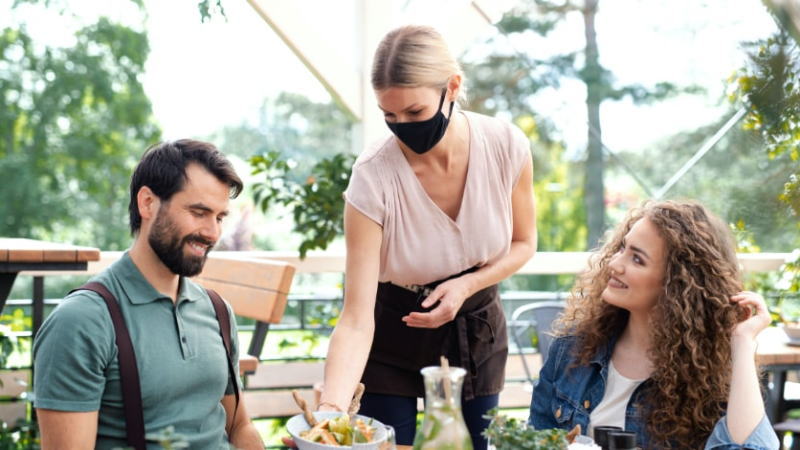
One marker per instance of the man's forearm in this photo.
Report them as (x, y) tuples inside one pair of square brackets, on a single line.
[(246, 437)]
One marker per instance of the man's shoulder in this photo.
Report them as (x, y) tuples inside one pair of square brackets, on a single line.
[(86, 307), (82, 309), (80, 317)]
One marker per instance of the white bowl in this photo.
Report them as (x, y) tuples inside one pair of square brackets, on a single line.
[(298, 424), (793, 331)]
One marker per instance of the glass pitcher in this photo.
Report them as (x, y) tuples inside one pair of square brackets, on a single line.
[(443, 426)]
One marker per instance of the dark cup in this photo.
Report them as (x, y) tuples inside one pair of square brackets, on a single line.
[(601, 435), (621, 440)]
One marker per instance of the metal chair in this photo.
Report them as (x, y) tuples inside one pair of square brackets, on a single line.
[(538, 316)]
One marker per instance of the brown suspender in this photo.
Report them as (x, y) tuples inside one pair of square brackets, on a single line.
[(129, 374), (225, 330)]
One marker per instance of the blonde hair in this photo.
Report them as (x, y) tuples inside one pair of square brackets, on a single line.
[(414, 56)]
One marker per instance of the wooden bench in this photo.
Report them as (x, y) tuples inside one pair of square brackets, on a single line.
[(15, 383), (268, 391), (255, 288)]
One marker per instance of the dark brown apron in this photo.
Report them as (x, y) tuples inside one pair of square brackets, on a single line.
[(475, 340)]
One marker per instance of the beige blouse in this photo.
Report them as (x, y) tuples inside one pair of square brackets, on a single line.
[(421, 243)]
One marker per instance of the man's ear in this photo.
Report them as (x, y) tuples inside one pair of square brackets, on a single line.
[(148, 203)]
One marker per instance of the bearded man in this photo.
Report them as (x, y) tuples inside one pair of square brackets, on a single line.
[(187, 376)]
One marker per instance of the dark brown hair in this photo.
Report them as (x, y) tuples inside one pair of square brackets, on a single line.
[(163, 170)]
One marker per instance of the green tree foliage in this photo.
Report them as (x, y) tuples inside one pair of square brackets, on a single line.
[(302, 149), (504, 83), (734, 180), (770, 87), (209, 9), (317, 204), (561, 217), (303, 131), (508, 81), (73, 121)]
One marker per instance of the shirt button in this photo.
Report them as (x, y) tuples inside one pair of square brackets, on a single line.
[(558, 413), (587, 404), (183, 339)]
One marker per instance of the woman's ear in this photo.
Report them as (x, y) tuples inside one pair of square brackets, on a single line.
[(453, 87)]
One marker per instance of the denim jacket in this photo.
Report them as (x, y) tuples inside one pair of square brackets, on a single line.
[(565, 396)]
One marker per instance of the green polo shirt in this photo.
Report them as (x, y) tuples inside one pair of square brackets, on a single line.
[(181, 359)]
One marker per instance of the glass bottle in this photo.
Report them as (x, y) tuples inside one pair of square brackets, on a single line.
[(443, 426)]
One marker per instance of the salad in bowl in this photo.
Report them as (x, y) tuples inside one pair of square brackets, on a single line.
[(336, 430)]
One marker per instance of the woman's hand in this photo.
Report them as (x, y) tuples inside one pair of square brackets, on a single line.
[(754, 314), (451, 295)]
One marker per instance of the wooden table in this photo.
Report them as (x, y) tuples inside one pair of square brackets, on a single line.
[(776, 358), (17, 255)]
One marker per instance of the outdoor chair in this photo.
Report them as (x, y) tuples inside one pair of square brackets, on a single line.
[(256, 289), (534, 319)]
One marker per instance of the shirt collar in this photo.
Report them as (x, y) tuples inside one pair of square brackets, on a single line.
[(140, 291), (603, 355)]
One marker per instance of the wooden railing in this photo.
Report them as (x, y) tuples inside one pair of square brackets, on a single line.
[(543, 263)]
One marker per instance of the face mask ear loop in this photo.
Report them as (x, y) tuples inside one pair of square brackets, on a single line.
[(441, 102)]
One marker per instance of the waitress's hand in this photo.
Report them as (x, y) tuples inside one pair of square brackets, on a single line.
[(451, 295), (754, 315)]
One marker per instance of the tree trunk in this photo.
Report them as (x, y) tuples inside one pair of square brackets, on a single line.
[(593, 187)]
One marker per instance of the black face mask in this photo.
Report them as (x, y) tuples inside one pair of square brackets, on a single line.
[(422, 136)]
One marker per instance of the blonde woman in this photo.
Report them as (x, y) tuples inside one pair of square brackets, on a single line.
[(437, 213), (659, 339)]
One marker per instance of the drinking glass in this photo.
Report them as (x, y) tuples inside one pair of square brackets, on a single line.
[(389, 443)]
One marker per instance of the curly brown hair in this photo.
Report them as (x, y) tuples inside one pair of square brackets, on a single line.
[(691, 323)]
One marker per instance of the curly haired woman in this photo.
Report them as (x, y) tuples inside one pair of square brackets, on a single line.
[(658, 339)]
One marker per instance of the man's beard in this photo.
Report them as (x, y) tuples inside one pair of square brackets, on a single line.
[(169, 247)]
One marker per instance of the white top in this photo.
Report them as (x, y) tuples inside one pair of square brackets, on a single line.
[(611, 410), (421, 243)]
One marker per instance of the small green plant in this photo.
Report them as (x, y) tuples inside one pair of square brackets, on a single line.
[(168, 439), (24, 435), (508, 433), (317, 203)]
